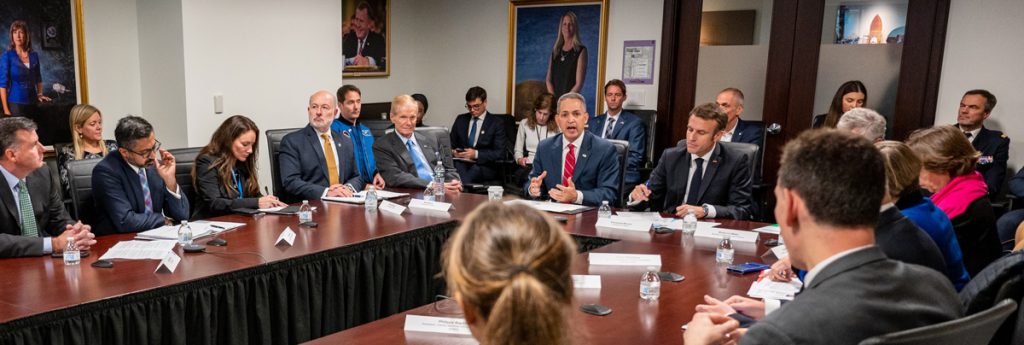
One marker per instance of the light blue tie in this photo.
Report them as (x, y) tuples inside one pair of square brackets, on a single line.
[(421, 166), (472, 133)]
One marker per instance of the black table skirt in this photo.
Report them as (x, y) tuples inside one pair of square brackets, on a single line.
[(285, 302)]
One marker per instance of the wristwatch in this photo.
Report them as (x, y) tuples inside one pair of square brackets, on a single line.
[(705, 207)]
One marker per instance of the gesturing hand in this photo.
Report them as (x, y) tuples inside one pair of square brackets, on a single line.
[(566, 193), (535, 184), (640, 193), (165, 167)]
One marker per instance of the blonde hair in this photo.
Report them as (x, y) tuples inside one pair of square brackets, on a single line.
[(511, 266), (81, 113), (902, 167), (944, 149), (576, 44)]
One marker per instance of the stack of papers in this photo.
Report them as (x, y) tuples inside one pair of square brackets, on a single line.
[(139, 250), (764, 287), (360, 198), (548, 206), (199, 229)]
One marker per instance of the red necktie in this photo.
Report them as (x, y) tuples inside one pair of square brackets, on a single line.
[(570, 165)]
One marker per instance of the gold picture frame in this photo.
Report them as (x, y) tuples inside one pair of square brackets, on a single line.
[(534, 26), (362, 58)]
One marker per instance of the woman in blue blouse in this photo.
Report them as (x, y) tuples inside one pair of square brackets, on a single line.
[(21, 84)]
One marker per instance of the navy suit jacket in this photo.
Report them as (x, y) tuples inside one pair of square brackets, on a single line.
[(120, 203), (304, 169), (996, 145), (491, 144), (725, 185), (596, 173), (630, 128), (748, 132)]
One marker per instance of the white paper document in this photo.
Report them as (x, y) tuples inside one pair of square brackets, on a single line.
[(139, 250), (581, 281), (617, 259), (446, 325), (548, 206), (764, 287), (734, 235), (780, 251), (360, 197), (429, 205), (624, 223), (770, 229), (200, 229)]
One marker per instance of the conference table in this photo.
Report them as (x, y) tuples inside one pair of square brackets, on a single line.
[(356, 272)]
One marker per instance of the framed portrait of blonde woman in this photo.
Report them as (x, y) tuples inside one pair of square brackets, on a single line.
[(42, 63), (556, 46), (366, 38)]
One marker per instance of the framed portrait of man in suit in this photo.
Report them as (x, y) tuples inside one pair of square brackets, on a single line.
[(556, 46), (42, 43), (366, 38)]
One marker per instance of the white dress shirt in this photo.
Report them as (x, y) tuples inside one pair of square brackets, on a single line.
[(974, 134), (609, 117), (704, 172)]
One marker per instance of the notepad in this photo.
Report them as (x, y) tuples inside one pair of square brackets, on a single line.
[(360, 197), (139, 250), (200, 229)]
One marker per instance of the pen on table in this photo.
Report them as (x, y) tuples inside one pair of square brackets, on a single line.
[(215, 226)]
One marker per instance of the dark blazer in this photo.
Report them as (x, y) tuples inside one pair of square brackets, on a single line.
[(630, 128), (858, 296), (120, 204), (215, 200), (818, 120), (1016, 184), (748, 132), (375, 47), (48, 207), (976, 232), (725, 185), (994, 146), (395, 163), (304, 169), (492, 146), (900, 239), (596, 173)]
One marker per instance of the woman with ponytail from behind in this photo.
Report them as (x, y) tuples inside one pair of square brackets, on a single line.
[(508, 267)]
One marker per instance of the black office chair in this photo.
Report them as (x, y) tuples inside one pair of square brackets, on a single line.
[(185, 159), (443, 140), (274, 137), (80, 181), (1001, 279), (377, 127), (974, 329), (622, 149), (650, 119)]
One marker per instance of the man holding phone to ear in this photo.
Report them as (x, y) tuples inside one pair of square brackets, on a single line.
[(135, 188)]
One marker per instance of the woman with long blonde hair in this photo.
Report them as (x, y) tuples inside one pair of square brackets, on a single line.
[(86, 141), (568, 63)]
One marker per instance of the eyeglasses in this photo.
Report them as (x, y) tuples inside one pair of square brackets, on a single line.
[(477, 106), (147, 153), (445, 305)]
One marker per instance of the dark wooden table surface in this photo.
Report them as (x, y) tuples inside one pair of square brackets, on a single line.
[(633, 320)]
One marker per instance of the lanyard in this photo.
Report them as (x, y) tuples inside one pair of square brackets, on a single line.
[(238, 182)]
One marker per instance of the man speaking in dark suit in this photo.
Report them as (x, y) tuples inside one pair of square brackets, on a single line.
[(975, 108), (479, 140), (361, 46), (829, 188), (574, 167), (406, 159), (315, 161), (33, 220), (705, 177), (621, 125), (133, 189)]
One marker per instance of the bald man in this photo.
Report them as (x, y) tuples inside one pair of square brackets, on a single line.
[(314, 161)]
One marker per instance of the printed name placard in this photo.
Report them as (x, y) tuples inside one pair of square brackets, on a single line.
[(429, 205), (288, 236), (581, 281), (391, 207), (446, 325), (734, 235), (617, 259), (169, 263)]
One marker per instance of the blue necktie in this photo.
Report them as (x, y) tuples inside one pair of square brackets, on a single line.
[(472, 133), (421, 166), (146, 196), (691, 198)]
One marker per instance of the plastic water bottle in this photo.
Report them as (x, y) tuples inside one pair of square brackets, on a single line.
[(604, 211), (689, 222), (650, 285), (725, 253), (71, 254), (305, 212), (184, 234), (781, 242), (370, 202), (428, 194), (439, 178)]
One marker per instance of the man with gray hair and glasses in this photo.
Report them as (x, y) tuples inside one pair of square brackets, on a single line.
[(36, 222), (864, 122)]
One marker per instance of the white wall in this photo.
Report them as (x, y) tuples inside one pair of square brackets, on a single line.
[(112, 59), (162, 70), (629, 21), (742, 67), (983, 49)]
